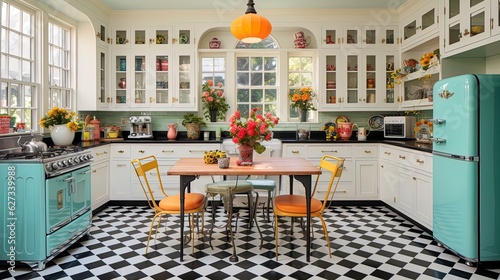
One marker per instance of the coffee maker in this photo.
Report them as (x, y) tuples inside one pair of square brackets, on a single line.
[(140, 127)]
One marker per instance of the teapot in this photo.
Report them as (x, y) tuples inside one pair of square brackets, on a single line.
[(362, 133), (172, 131), (33, 146), (345, 129)]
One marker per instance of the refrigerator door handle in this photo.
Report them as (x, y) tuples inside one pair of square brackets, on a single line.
[(464, 158), (437, 121), (438, 140)]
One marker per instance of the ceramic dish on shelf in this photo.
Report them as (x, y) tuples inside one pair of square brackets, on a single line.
[(341, 119), (376, 122), (184, 39), (423, 131)]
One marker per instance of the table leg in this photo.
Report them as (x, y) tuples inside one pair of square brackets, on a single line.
[(306, 181), (185, 182), (234, 257)]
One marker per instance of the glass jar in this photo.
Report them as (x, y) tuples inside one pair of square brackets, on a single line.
[(88, 133)]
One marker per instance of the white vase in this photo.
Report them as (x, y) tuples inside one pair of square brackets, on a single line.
[(61, 135)]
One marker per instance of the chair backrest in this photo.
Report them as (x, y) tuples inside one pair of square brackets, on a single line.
[(335, 166), (142, 166)]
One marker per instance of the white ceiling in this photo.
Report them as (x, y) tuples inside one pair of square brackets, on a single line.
[(259, 4)]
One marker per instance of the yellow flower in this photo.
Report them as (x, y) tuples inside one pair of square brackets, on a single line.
[(56, 116)]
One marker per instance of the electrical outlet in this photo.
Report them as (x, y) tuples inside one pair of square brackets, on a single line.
[(123, 122)]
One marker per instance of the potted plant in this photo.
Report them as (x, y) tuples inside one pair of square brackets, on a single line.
[(193, 123)]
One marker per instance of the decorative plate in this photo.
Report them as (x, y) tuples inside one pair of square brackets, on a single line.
[(184, 39), (376, 122), (341, 119), (423, 131)]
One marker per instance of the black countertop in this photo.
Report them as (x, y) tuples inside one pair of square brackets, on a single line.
[(287, 137)]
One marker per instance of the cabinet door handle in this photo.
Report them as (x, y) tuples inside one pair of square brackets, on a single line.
[(381, 166), (103, 153), (165, 151), (94, 171), (383, 41), (295, 152), (368, 152), (466, 32), (387, 153), (402, 157), (414, 178), (121, 165), (121, 151), (420, 161), (196, 151), (332, 151), (142, 151)]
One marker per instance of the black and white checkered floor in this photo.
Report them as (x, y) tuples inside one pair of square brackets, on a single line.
[(367, 243)]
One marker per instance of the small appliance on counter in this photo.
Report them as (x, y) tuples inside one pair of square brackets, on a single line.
[(399, 126), (140, 127)]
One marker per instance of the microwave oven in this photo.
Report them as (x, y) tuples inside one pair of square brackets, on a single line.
[(399, 126)]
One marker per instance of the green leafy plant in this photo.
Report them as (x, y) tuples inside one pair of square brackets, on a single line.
[(192, 118)]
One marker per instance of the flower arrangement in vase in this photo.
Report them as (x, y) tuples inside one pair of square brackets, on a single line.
[(214, 101), (249, 132), (302, 99), (62, 124)]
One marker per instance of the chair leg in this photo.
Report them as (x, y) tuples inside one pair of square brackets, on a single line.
[(151, 231), (276, 235), (326, 235)]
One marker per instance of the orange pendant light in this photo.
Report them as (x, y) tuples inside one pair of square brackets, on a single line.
[(251, 27)]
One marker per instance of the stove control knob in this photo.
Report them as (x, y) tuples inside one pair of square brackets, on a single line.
[(77, 159), (48, 167), (71, 161), (60, 164), (65, 162), (55, 166)]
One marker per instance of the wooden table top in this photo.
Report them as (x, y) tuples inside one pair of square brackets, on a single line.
[(261, 166)]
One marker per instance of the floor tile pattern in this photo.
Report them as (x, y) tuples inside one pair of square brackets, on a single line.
[(367, 243)]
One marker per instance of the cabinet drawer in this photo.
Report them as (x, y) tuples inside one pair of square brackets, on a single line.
[(416, 160), (295, 151), (318, 151), (369, 151), (100, 153), (120, 151), (388, 153)]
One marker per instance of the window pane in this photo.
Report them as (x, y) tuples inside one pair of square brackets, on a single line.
[(3, 64), (256, 79), (271, 95), (306, 79), (294, 79), (28, 96), (27, 48), (28, 27), (242, 95), (3, 43), (4, 14), (27, 71), (294, 64), (207, 64), (15, 18), (244, 110), (269, 63), (14, 68), (3, 95), (219, 64), (15, 95), (257, 64), (242, 79), (242, 64), (257, 95), (270, 79), (306, 63), (14, 44)]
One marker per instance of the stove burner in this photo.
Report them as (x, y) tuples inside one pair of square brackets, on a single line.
[(50, 153)]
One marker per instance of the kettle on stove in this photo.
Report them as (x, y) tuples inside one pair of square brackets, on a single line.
[(33, 146)]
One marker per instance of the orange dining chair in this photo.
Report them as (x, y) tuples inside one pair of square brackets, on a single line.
[(194, 203), (295, 205)]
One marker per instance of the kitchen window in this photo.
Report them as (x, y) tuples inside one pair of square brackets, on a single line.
[(19, 87), (256, 84), (300, 74), (60, 91)]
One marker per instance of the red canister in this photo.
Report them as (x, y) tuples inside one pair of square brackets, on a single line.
[(97, 130)]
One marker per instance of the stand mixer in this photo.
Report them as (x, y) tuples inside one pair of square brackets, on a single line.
[(140, 127)]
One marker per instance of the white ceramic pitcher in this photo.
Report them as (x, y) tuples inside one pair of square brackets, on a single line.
[(363, 133)]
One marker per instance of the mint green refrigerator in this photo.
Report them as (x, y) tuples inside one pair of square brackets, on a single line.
[(466, 166)]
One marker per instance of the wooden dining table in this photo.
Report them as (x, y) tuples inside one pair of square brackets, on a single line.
[(297, 168)]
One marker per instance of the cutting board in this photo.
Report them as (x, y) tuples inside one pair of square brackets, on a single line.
[(111, 139)]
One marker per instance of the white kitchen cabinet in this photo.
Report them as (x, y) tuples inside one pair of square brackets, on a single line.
[(414, 93), (126, 186), (466, 21), (388, 180), (406, 177), (495, 18), (157, 65), (366, 160), (99, 176), (356, 81), (419, 22)]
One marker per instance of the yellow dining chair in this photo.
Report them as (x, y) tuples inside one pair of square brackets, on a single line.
[(295, 205), (194, 203)]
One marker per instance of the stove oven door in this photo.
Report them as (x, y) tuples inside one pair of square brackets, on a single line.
[(81, 195), (58, 201), (68, 196)]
